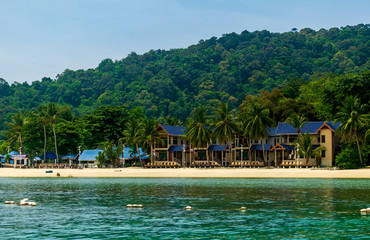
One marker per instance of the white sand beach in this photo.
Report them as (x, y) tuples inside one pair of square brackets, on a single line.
[(190, 173)]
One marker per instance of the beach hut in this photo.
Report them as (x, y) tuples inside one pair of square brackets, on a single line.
[(11, 154), (128, 156), (70, 158), (88, 158), (49, 156), (20, 159)]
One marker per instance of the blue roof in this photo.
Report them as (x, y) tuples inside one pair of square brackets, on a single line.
[(258, 147), (217, 148), (49, 155), (287, 147), (145, 157), (271, 131), (89, 155), (70, 156), (178, 148), (128, 151), (310, 127), (174, 130), (12, 153)]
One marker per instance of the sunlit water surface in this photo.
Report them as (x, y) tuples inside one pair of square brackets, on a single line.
[(95, 208)]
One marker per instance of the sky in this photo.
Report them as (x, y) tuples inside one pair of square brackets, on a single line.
[(42, 38)]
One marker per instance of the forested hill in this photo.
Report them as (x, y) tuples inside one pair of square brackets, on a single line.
[(173, 82)]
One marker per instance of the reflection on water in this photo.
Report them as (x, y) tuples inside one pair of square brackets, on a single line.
[(80, 208)]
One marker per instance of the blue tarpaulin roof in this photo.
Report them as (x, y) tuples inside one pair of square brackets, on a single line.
[(70, 156), (128, 153), (217, 148), (89, 155), (178, 148), (48, 155), (145, 157), (12, 153), (310, 127), (258, 147), (174, 130)]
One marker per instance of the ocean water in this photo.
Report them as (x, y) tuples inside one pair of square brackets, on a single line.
[(95, 208)]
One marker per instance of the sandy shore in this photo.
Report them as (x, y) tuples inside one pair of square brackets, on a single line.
[(190, 173)]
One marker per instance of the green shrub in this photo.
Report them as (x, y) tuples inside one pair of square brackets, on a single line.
[(348, 158)]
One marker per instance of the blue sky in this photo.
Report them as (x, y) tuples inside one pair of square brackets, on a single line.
[(44, 37)]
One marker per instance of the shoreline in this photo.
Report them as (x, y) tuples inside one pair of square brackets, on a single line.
[(134, 172)]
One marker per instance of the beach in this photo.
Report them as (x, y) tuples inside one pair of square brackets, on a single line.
[(189, 172)]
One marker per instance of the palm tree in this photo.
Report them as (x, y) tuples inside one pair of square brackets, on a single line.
[(131, 135), (41, 116), (197, 129), (256, 123), (101, 158), (352, 121), (224, 123), (148, 135), (112, 152), (304, 146), (173, 121), (15, 126), (52, 111), (297, 121)]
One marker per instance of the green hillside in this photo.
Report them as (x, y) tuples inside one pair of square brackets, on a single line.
[(173, 82)]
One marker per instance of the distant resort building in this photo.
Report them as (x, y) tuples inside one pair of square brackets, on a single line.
[(175, 150), (88, 158)]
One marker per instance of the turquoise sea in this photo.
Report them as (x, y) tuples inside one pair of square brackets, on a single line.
[(95, 208)]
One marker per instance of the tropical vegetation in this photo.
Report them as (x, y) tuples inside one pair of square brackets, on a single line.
[(244, 82)]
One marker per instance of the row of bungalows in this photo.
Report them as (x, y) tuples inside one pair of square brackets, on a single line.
[(278, 147)]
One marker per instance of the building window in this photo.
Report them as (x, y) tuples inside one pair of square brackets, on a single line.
[(323, 153), (162, 156), (323, 138), (202, 155), (175, 141), (292, 140), (318, 139)]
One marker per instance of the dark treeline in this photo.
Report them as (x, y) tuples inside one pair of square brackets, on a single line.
[(173, 82)]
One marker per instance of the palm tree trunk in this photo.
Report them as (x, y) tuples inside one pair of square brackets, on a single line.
[(359, 150), (151, 153), (263, 149), (20, 140), (44, 140), (55, 142), (138, 153), (249, 150)]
